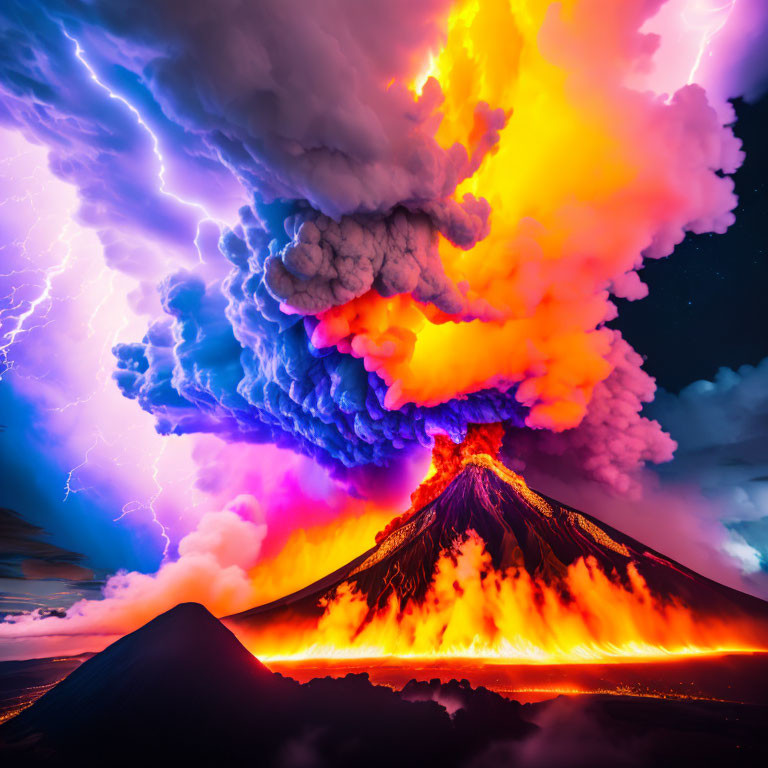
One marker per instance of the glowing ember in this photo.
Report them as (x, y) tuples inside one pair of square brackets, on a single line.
[(710, 677)]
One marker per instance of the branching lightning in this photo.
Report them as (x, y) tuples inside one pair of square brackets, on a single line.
[(715, 20), (69, 490), (134, 506), (206, 216), (19, 323)]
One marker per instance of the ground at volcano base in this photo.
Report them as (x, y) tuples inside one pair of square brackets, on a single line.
[(183, 687)]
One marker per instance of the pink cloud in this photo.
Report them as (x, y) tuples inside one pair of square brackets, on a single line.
[(212, 569)]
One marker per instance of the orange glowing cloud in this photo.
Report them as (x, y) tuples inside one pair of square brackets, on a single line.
[(588, 178)]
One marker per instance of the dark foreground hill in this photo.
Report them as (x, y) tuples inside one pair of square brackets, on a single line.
[(182, 689)]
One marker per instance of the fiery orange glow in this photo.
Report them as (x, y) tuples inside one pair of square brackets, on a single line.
[(473, 611), (447, 460), (313, 552), (583, 180)]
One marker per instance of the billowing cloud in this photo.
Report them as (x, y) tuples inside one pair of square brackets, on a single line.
[(251, 373), (212, 568), (414, 329), (233, 559), (708, 508), (614, 440), (422, 249), (328, 264), (442, 200), (720, 428), (318, 120)]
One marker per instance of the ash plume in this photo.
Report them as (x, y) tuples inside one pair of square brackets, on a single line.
[(414, 257)]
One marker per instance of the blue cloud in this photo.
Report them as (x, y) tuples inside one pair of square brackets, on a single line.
[(228, 361), (720, 427)]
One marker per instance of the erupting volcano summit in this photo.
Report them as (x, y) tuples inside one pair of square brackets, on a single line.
[(481, 565)]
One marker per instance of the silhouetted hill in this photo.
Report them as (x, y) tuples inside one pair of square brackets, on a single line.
[(181, 676), (183, 687), (182, 690)]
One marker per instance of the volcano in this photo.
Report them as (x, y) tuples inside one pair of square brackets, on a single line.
[(471, 494)]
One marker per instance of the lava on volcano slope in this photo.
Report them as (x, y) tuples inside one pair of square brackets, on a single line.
[(483, 567)]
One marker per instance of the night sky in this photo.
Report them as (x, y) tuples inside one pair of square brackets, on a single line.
[(707, 305)]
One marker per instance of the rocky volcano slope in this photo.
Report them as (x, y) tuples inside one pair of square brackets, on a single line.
[(520, 529)]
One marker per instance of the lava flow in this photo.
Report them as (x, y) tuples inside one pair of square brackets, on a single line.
[(483, 567)]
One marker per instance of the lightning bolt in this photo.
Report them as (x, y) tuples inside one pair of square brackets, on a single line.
[(19, 322), (69, 490), (206, 216), (130, 506), (716, 17), (16, 323), (134, 506)]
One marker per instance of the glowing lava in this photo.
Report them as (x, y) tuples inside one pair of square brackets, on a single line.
[(474, 611), (482, 567)]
